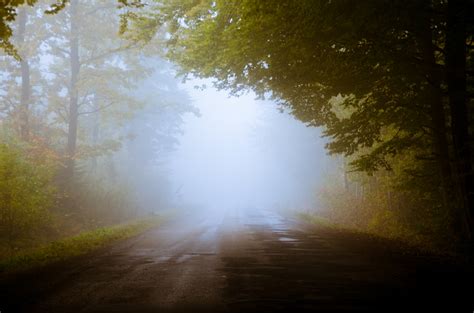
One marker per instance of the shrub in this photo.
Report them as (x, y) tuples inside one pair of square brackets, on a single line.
[(26, 194)]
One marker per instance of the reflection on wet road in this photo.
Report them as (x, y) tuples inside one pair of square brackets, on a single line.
[(242, 261)]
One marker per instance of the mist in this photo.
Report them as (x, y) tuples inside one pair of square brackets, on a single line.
[(129, 109), (245, 152), (120, 133), (200, 149), (236, 156)]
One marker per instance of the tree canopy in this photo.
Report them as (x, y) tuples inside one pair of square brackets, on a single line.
[(9, 12), (389, 82), (374, 74)]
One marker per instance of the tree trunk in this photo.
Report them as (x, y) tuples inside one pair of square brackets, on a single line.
[(452, 201), (25, 78), (95, 128), (346, 176), (456, 81), (73, 92)]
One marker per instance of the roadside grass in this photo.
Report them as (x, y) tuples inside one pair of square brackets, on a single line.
[(317, 220), (414, 245), (76, 245)]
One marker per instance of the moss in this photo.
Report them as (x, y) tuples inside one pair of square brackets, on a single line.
[(76, 245)]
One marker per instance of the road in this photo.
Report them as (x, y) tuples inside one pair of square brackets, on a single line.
[(243, 261)]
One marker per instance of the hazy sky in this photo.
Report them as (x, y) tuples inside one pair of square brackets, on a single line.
[(244, 152)]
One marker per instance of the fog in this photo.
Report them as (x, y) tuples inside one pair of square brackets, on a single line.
[(245, 152), (193, 147), (120, 135), (162, 155)]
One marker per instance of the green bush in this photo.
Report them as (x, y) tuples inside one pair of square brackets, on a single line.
[(101, 202), (392, 204), (26, 194)]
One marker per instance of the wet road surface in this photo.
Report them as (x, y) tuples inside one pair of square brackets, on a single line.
[(243, 261)]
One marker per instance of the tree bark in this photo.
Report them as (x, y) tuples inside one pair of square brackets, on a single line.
[(25, 78), (452, 201), (456, 81), (95, 128)]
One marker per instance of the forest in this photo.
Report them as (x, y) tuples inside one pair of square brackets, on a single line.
[(95, 101), (76, 105), (389, 82)]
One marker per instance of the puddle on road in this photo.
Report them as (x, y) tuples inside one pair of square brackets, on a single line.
[(281, 232), (162, 259), (188, 256), (202, 253), (288, 239), (185, 257)]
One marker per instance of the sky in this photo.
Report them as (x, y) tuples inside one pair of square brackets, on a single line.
[(244, 152)]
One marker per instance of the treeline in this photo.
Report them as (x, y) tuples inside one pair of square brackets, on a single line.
[(390, 82), (87, 112)]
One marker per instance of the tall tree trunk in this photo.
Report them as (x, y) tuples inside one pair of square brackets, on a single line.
[(345, 170), (73, 92), (95, 128), (456, 81), (25, 78), (452, 201)]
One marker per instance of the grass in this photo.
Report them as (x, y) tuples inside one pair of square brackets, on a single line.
[(413, 246), (76, 245), (318, 221)]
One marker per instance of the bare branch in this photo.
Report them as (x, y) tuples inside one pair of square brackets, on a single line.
[(61, 50), (97, 110), (106, 54), (84, 98), (64, 116)]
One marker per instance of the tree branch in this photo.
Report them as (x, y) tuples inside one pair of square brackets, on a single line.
[(97, 110), (64, 117), (84, 98), (62, 50), (106, 54)]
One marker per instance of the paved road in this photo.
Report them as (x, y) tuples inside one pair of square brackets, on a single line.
[(243, 261)]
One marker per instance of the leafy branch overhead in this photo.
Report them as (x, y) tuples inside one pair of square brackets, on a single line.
[(9, 12), (401, 72)]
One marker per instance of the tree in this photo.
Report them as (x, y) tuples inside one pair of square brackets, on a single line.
[(371, 73), (153, 133), (9, 11), (82, 73), (19, 78), (99, 65), (456, 80)]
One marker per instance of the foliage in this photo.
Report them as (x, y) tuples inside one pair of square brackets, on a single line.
[(392, 204), (26, 193), (305, 53), (9, 12), (316, 220), (388, 81), (101, 202), (375, 75), (118, 105)]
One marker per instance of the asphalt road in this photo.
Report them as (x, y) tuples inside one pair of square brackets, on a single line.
[(244, 261)]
